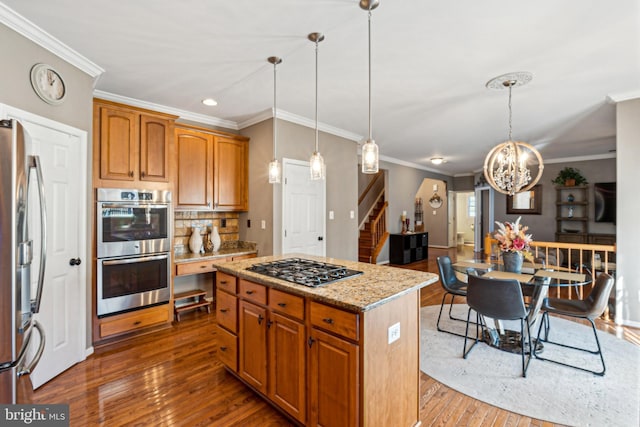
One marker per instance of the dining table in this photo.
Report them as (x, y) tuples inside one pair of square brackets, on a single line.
[(537, 277)]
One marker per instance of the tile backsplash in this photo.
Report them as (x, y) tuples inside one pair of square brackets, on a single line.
[(186, 220)]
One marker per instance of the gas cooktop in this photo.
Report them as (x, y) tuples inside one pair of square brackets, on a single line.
[(304, 271)]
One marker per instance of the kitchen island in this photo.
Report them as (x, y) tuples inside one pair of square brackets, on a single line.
[(341, 354)]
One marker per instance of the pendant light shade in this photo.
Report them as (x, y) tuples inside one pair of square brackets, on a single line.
[(507, 166), (370, 157), (317, 166), (275, 171)]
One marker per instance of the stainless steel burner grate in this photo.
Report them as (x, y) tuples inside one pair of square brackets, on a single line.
[(304, 271)]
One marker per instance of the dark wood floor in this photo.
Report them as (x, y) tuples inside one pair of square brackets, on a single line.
[(173, 377)]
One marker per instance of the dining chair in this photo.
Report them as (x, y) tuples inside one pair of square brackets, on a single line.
[(589, 308), (452, 286), (501, 300)]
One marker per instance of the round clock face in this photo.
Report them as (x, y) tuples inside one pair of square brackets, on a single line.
[(48, 84)]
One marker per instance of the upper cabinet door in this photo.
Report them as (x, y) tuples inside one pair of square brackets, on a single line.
[(195, 169), (231, 159), (118, 144), (155, 137)]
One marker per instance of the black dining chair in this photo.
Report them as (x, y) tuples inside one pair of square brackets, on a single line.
[(501, 300), (589, 308), (452, 286)]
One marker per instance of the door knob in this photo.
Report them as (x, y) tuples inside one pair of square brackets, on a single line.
[(75, 261)]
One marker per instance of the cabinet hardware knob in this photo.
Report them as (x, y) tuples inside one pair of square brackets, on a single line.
[(224, 310), (203, 266), (136, 323), (249, 292), (223, 348), (282, 304), (328, 320), (142, 174), (260, 319), (310, 341), (223, 282), (269, 323), (131, 174)]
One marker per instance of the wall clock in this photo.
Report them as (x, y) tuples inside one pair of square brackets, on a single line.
[(48, 84)]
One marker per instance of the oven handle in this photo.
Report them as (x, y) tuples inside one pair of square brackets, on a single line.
[(133, 205), (133, 260)]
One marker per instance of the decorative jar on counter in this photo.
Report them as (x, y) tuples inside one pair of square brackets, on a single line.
[(215, 239), (195, 241)]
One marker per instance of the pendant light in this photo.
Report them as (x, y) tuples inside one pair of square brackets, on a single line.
[(318, 168), (506, 166), (370, 156), (274, 165)]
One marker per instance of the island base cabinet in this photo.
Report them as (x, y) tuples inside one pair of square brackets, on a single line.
[(253, 345), (287, 373), (334, 379)]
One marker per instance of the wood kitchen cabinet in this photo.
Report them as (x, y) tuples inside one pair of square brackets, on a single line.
[(253, 345), (194, 156), (231, 174), (333, 380), (131, 146), (212, 170)]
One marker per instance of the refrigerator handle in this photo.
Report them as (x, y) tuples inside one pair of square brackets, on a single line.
[(34, 162), (26, 370)]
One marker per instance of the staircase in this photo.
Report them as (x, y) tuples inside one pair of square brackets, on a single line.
[(373, 229)]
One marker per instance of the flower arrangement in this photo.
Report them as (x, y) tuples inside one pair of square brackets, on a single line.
[(512, 237)]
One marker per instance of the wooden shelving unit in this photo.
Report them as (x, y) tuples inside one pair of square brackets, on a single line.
[(196, 299), (572, 214)]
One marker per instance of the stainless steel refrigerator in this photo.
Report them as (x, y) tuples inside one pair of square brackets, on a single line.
[(17, 307)]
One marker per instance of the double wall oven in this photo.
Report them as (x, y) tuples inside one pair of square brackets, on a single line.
[(133, 229)]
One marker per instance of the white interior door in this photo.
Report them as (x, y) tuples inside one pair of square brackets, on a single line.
[(303, 210), (62, 152)]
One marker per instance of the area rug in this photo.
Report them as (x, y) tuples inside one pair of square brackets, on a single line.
[(550, 392)]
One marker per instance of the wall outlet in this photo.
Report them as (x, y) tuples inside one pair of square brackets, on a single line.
[(352, 214), (393, 333), (263, 224), (223, 222), (331, 215)]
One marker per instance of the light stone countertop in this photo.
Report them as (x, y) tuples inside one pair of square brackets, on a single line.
[(378, 285)]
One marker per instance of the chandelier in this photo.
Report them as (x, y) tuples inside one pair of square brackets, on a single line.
[(318, 168), (274, 165), (507, 166), (370, 157)]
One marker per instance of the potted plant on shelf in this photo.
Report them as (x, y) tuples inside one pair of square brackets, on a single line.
[(569, 177)]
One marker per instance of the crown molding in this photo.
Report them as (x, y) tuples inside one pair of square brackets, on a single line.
[(581, 158), (408, 164), (300, 120), (31, 31), (183, 114), (623, 96)]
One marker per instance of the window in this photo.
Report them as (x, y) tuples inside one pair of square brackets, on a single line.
[(471, 206)]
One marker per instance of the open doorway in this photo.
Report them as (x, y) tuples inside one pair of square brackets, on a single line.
[(465, 218)]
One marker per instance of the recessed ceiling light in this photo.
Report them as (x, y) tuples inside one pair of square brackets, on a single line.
[(437, 160), (210, 102)]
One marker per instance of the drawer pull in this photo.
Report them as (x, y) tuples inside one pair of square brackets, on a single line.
[(250, 292), (260, 319), (223, 282), (223, 348), (203, 266), (282, 304), (224, 310), (328, 320), (137, 322)]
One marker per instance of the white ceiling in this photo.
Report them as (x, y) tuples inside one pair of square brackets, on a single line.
[(431, 60)]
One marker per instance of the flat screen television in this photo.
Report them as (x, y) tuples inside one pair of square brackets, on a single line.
[(605, 201)]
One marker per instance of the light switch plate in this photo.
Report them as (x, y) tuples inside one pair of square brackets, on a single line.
[(263, 224), (331, 215), (352, 214), (393, 333)]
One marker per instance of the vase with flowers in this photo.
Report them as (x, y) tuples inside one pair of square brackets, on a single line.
[(514, 243)]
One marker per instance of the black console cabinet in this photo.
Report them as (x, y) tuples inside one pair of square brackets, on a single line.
[(406, 248)]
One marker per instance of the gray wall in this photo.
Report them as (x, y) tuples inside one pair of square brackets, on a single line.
[(628, 206), (19, 55), (265, 200), (543, 226)]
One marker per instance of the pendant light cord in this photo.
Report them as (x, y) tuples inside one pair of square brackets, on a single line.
[(274, 111), (316, 96), (510, 86), (370, 109)]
